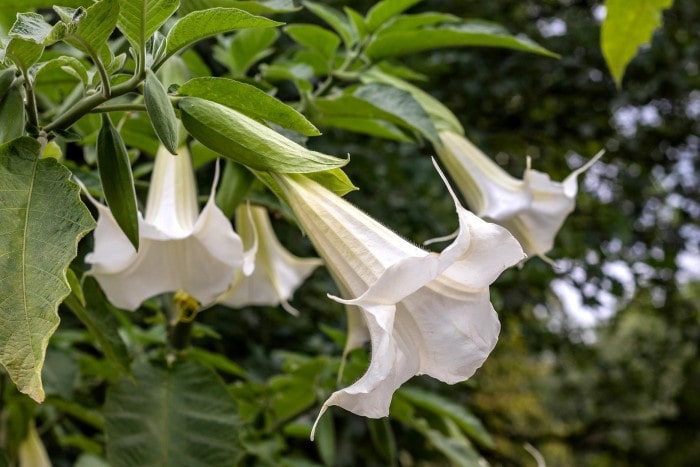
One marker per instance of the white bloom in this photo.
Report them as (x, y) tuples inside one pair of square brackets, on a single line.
[(277, 273), (427, 313), (533, 209), (180, 249)]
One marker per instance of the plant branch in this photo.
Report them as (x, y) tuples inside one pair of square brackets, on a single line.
[(120, 108), (32, 112)]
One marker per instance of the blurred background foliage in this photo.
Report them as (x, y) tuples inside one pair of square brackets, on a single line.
[(597, 364)]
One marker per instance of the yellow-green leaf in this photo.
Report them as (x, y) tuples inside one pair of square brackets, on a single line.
[(627, 27), (43, 219)]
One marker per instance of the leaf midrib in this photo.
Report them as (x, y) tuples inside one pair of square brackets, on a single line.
[(23, 263)]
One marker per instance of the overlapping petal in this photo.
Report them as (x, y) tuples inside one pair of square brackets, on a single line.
[(277, 273), (533, 209), (426, 313), (180, 248)]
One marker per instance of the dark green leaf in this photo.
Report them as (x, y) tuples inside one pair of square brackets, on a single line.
[(325, 439), (65, 63), (6, 78), (626, 28), (383, 11), (38, 242), (250, 101), (98, 316), (439, 405), (160, 111), (248, 142), (12, 118), (394, 43), (176, 416), (247, 47), (401, 105), (199, 25), (117, 179)]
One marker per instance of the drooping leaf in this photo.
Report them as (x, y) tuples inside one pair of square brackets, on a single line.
[(234, 135), (335, 19), (199, 25), (395, 43), (626, 28), (160, 111), (259, 7), (176, 416), (249, 100), (43, 221), (98, 316), (383, 11), (139, 19), (117, 179), (315, 38)]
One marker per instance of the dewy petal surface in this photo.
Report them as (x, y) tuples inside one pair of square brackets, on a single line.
[(197, 254), (533, 209), (277, 273), (426, 313)]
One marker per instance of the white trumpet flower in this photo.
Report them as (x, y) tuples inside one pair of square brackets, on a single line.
[(277, 273), (532, 209), (180, 248), (426, 313)]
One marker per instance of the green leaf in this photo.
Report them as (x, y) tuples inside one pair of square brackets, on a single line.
[(117, 179), (357, 21), (315, 38), (97, 315), (249, 100), (395, 43), (335, 19), (626, 28), (23, 53), (334, 180), (7, 77), (401, 105), (199, 25), (258, 7), (139, 19), (177, 416), (244, 140), (39, 234), (247, 47), (383, 11), (90, 31), (325, 439), (12, 118), (160, 111), (31, 27), (439, 405), (234, 184), (442, 117), (65, 63)]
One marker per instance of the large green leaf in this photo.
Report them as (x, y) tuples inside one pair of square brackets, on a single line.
[(394, 43), (139, 19), (249, 100), (199, 25), (43, 219), (315, 38), (176, 416), (626, 28)]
